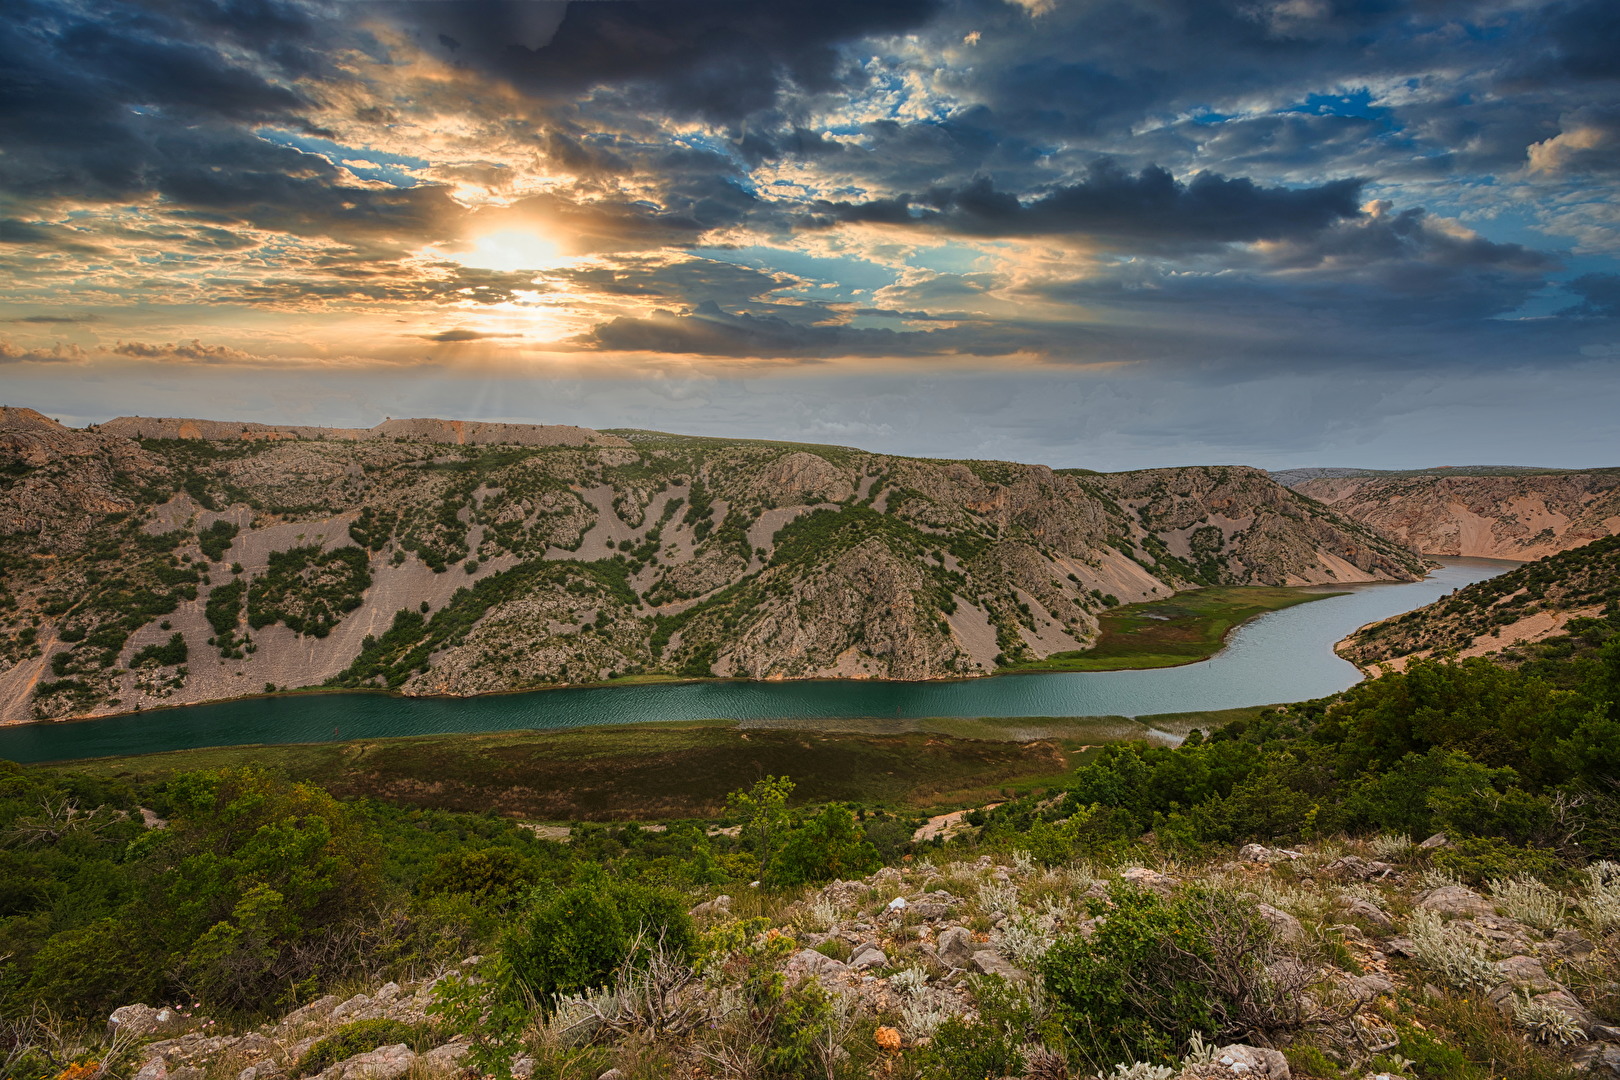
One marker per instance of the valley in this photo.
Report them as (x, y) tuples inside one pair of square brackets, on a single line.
[(153, 562)]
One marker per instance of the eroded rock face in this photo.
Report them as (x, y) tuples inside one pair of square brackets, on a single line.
[(1492, 517)]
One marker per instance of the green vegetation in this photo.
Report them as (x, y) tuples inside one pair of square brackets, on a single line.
[(238, 899), (646, 773), (575, 939), (355, 1038), (309, 589), (171, 652), (216, 540), (1184, 629), (1585, 579)]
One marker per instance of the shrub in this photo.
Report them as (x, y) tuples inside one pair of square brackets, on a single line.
[(1477, 859), (1309, 1061), (574, 940), (1601, 905), (360, 1037), (964, 1051), (173, 653), (1529, 901), (829, 845), (1455, 957), (494, 876), (1156, 972)]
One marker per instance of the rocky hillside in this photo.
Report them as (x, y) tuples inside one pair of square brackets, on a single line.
[(153, 562), (1546, 599), (1482, 513)]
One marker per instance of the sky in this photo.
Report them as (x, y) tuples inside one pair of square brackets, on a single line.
[(1102, 233)]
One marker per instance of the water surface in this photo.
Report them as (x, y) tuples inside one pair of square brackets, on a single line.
[(1282, 656)]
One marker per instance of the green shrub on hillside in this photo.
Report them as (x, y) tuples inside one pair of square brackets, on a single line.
[(360, 1037), (573, 940), (1157, 971)]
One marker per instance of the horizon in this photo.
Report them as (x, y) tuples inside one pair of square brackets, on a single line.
[(91, 423)]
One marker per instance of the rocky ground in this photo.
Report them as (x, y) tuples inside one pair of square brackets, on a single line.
[(1376, 945)]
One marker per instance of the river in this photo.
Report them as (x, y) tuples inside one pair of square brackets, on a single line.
[(1282, 656)]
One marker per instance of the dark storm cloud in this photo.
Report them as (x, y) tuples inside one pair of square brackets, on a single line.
[(711, 331), (119, 103), (1585, 40), (1600, 295), (721, 60), (1151, 208), (1383, 270)]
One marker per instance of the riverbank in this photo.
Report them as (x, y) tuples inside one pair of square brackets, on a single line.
[(647, 772), (1183, 629)]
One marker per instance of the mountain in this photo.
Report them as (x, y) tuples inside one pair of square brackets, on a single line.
[(1492, 513), (1552, 598), (152, 562)]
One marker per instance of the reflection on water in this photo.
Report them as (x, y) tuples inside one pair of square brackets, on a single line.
[(1283, 656)]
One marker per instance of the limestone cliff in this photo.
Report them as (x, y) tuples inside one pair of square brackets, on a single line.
[(153, 562), (1522, 516)]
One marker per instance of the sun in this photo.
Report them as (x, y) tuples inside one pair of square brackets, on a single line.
[(510, 250)]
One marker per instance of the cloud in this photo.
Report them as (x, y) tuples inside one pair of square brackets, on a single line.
[(1600, 295), (721, 60), (51, 319), (463, 334), (710, 331), (186, 350), (1151, 210), (1589, 143), (60, 352)]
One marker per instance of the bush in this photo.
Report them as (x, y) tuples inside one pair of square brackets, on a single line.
[(360, 1037), (574, 940), (964, 1051), (1157, 971), (1478, 859), (495, 877), (829, 845), (93, 969)]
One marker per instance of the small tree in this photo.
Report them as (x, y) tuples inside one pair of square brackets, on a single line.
[(829, 845), (763, 809)]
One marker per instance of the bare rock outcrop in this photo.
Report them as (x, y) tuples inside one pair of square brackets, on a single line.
[(1518, 517)]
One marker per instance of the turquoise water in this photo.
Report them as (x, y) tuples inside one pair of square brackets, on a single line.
[(1284, 656)]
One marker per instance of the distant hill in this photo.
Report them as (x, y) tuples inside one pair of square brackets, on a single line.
[(1542, 600), (1295, 477), (151, 562), (1493, 512)]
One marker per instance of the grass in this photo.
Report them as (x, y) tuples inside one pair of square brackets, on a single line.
[(1184, 629), (637, 773)]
